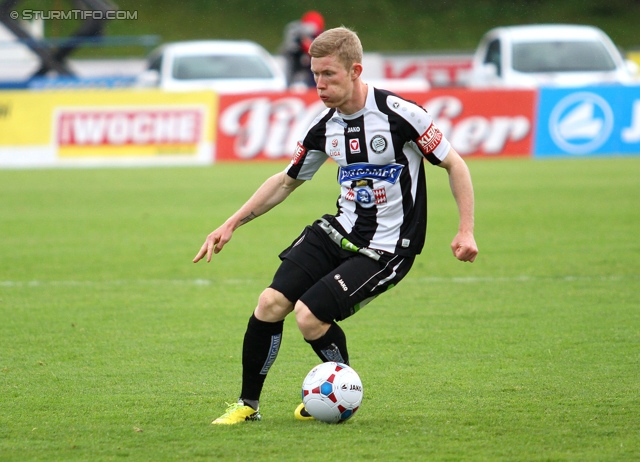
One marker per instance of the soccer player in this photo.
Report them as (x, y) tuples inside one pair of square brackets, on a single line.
[(343, 261)]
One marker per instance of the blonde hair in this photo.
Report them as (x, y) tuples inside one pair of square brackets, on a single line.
[(341, 42)]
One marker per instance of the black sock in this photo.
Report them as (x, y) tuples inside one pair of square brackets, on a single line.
[(259, 351), (332, 346)]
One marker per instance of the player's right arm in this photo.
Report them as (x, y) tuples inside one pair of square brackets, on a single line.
[(272, 192)]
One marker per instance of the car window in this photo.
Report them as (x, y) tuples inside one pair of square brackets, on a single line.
[(220, 67), (493, 55), (561, 57), (156, 63)]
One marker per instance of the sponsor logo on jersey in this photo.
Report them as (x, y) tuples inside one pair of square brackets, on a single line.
[(354, 146), (378, 144), (299, 153), (430, 139), (366, 196), (353, 130), (362, 171)]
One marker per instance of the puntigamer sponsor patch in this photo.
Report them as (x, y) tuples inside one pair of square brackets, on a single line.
[(389, 173)]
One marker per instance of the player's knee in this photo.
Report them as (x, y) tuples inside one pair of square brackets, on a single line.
[(272, 306), (311, 327)]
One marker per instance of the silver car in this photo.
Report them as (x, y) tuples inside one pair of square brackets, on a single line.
[(225, 66), (548, 54)]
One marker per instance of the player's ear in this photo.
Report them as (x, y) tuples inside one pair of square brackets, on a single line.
[(356, 70)]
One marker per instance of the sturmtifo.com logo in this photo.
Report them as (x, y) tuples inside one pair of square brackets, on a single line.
[(581, 122)]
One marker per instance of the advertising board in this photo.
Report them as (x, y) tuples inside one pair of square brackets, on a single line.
[(478, 123), (588, 121), (106, 127), (439, 70)]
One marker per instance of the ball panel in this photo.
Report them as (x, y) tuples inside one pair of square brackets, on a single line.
[(326, 388)]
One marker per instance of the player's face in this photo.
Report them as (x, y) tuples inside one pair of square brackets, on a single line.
[(334, 83)]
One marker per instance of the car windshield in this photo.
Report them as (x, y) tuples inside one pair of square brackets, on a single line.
[(579, 56), (220, 67)]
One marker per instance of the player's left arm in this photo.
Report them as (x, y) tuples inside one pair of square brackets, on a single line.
[(464, 244)]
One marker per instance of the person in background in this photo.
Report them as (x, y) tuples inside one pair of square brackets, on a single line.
[(298, 36)]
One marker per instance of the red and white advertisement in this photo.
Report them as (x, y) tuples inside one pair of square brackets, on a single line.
[(483, 123), (438, 70), (264, 126), (479, 123), (142, 126)]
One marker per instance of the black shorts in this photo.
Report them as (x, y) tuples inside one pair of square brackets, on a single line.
[(334, 283)]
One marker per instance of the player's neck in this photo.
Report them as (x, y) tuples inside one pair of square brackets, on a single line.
[(358, 99)]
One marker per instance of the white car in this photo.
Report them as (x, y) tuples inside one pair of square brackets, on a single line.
[(225, 66), (548, 54)]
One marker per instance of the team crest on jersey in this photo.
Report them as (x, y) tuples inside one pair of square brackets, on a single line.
[(430, 139), (299, 153), (354, 146), (378, 144)]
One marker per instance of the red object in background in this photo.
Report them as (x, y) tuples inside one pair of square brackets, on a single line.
[(479, 123), (438, 70), (483, 123)]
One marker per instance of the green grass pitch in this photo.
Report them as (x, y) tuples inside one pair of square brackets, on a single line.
[(115, 346)]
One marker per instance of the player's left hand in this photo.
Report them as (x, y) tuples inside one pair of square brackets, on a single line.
[(464, 247), (214, 243)]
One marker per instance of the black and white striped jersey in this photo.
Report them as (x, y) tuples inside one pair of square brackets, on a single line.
[(380, 152)]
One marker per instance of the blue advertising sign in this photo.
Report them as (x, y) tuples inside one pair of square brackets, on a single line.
[(588, 121)]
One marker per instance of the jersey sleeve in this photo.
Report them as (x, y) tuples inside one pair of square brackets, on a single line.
[(309, 154), (305, 162), (428, 138)]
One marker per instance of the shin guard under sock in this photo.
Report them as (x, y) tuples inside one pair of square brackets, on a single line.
[(259, 351), (332, 346)]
